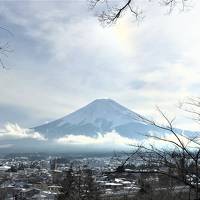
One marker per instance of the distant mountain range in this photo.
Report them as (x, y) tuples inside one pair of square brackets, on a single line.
[(100, 116)]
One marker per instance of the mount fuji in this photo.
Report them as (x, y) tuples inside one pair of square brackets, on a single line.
[(103, 124), (100, 116)]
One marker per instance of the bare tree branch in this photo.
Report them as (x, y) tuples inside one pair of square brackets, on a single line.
[(181, 162), (5, 48), (113, 11)]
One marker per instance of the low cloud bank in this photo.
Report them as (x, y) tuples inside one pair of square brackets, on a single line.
[(4, 146), (107, 138), (15, 132), (114, 138)]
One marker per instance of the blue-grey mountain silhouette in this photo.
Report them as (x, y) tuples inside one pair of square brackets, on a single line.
[(100, 116)]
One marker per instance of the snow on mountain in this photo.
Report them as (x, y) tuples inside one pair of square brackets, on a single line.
[(99, 112), (102, 124), (100, 116)]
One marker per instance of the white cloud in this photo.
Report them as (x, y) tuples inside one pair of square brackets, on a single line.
[(168, 140), (15, 132), (114, 139), (3, 146), (110, 138)]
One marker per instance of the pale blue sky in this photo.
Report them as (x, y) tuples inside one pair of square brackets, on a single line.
[(63, 59)]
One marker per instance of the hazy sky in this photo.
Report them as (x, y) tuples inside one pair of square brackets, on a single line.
[(63, 59)]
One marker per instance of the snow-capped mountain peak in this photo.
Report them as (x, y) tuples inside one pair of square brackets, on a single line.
[(101, 115), (105, 110)]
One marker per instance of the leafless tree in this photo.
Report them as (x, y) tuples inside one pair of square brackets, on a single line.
[(180, 161), (112, 10), (5, 48), (192, 107)]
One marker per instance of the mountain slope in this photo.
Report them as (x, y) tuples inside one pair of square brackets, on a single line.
[(102, 115)]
